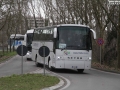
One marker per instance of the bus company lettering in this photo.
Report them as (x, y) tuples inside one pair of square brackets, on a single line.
[(80, 52)]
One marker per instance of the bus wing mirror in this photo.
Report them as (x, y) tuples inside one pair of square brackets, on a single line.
[(94, 33), (55, 33)]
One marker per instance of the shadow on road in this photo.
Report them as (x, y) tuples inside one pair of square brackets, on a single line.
[(68, 71)]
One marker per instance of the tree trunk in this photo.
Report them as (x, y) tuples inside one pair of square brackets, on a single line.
[(118, 48), (118, 41)]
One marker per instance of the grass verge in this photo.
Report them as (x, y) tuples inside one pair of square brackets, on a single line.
[(27, 82), (6, 55)]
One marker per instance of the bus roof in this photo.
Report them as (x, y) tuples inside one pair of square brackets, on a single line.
[(64, 25), (17, 36), (30, 31), (72, 25)]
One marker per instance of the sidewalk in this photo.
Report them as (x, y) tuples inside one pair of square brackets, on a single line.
[(64, 83)]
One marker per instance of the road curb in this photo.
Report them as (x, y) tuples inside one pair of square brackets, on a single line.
[(110, 71), (105, 71), (55, 87), (64, 82)]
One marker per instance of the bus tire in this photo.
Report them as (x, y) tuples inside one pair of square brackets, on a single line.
[(36, 63), (80, 70), (49, 65)]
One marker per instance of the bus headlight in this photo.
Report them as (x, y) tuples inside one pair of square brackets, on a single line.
[(28, 53), (58, 58), (89, 58)]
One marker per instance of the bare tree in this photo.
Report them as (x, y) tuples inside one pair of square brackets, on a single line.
[(116, 26)]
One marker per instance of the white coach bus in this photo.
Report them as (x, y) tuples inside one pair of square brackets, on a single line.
[(70, 46), (15, 40), (28, 41)]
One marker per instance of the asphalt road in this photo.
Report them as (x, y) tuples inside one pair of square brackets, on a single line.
[(13, 66), (91, 80)]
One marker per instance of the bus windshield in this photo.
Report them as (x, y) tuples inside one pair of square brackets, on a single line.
[(29, 38), (74, 37), (29, 41)]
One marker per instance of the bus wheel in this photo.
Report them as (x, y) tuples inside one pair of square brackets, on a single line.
[(49, 65), (36, 63), (80, 70)]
